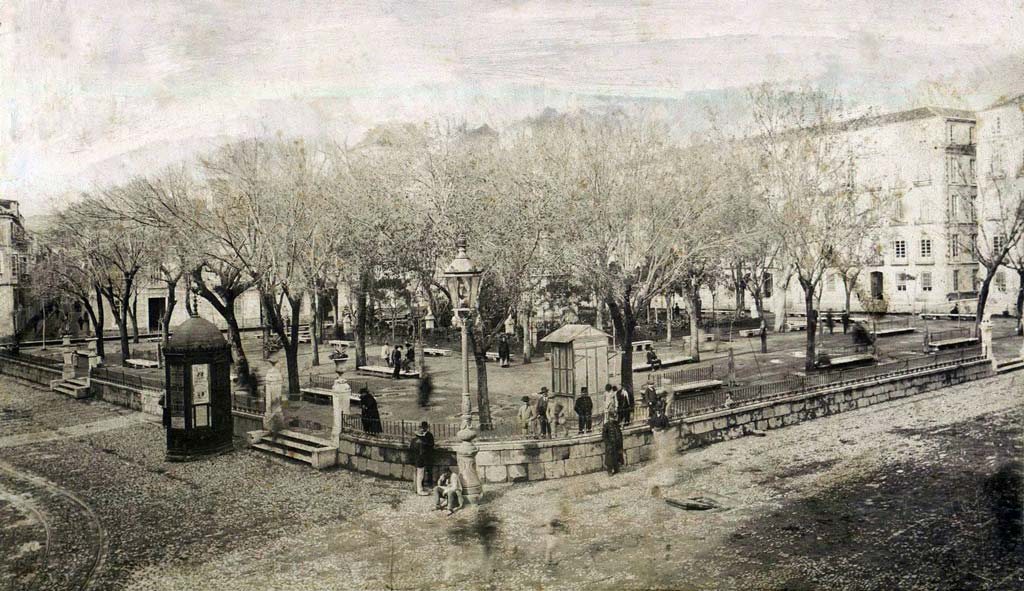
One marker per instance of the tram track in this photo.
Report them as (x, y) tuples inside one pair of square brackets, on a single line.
[(62, 514)]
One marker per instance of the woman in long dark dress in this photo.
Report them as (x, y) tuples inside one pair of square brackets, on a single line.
[(370, 413), (611, 433)]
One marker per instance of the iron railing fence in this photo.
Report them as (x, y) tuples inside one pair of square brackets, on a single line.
[(49, 362), (123, 377)]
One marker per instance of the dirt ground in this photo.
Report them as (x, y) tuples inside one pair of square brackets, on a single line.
[(914, 494)]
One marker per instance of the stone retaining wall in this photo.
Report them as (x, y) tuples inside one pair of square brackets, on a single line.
[(531, 460), (147, 401), (29, 371)]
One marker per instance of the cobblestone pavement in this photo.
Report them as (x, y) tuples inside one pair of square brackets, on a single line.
[(894, 496)]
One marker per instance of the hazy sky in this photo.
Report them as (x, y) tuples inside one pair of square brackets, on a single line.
[(94, 90)]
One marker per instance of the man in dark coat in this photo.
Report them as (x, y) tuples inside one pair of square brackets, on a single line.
[(624, 402), (584, 408), (503, 351), (611, 434), (410, 357), (370, 413), (421, 449), (396, 361), (541, 411)]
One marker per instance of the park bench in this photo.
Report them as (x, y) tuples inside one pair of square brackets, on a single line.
[(749, 332), (386, 372), (141, 363), (691, 387), (893, 330), (953, 343), (435, 352), (492, 356), (851, 359), (340, 343), (797, 324), (640, 345), (665, 363), (939, 316), (323, 395)]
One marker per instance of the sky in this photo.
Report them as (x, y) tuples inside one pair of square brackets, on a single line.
[(94, 91)]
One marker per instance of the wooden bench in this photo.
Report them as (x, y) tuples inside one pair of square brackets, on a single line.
[(323, 395), (640, 345), (435, 352), (797, 325), (694, 386), (386, 372), (888, 332), (141, 363), (749, 332), (952, 343), (492, 356), (340, 343), (846, 360), (949, 316), (665, 363)]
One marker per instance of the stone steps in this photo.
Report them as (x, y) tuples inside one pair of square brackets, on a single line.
[(1010, 365), (316, 452), (73, 387)]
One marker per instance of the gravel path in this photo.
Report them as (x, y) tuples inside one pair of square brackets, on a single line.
[(897, 495)]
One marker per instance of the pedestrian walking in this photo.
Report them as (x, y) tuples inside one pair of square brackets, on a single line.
[(370, 414), (410, 357), (541, 411), (584, 408), (503, 351), (396, 362), (425, 388), (525, 416), (422, 450), (829, 321), (611, 403), (845, 318), (385, 354), (625, 402), (611, 434)]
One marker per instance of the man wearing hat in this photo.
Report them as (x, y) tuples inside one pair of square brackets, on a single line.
[(422, 450), (542, 412), (584, 408), (525, 416)]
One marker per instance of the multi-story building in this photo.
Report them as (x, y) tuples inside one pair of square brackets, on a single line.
[(924, 161), (1000, 188), (14, 250)]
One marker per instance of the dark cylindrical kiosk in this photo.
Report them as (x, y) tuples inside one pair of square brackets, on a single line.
[(197, 406)]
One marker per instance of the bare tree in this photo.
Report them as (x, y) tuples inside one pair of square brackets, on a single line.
[(1000, 232)]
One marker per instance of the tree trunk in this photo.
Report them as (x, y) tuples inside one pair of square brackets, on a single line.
[(483, 403), (668, 319), (693, 303), (359, 327), (226, 309), (1020, 301), (759, 307), (782, 308), (165, 320), (314, 333), (812, 324), (624, 320), (98, 322), (986, 285), (291, 350), (598, 312), (134, 310), (527, 337)]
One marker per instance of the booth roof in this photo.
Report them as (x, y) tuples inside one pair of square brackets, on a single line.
[(195, 334), (572, 332)]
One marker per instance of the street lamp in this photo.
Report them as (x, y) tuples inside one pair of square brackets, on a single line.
[(462, 279)]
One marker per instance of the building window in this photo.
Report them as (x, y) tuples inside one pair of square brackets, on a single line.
[(997, 245), (926, 248), (926, 281), (974, 280), (900, 247), (956, 279), (972, 169), (1000, 281), (901, 282), (954, 246)]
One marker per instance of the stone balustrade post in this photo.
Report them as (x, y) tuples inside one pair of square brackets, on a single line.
[(465, 455), (341, 396), (68, 368), (273, 414)]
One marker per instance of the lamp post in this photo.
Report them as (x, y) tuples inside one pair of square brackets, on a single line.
[(462, 279)]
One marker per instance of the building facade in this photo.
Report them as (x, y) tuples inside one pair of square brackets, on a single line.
[(14, 251), (1001, 187)]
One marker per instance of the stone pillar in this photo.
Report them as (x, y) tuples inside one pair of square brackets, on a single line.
[(68, 369), (732, 368), (465, 454), (273, 415), (340, 399)]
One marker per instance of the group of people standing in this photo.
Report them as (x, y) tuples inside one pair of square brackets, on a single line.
[(394, 358), (540, 417)]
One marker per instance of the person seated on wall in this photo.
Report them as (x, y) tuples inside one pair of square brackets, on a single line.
[(652, 358), (448, 492)]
